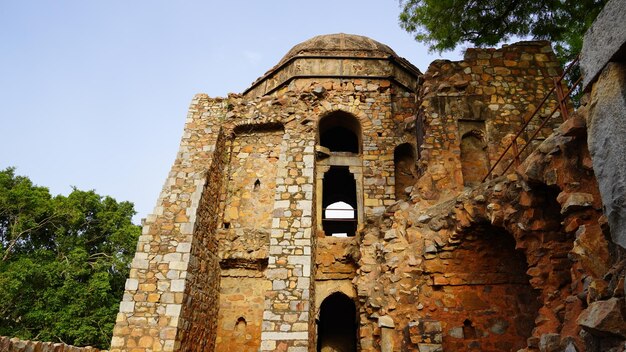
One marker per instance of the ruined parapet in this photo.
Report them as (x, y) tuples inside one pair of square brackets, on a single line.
[(470, 109)]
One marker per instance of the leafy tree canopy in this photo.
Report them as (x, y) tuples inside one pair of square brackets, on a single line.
[(444, 24), (63, 262)]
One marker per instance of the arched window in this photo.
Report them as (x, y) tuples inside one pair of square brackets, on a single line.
[(340, 132), (340, 211), (339, 202), (337, 329)]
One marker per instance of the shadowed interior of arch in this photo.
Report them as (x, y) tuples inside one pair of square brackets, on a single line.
[(339, 202), (337, 326), (340, 132)]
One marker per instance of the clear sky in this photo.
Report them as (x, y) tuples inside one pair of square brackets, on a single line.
[(94, 94)]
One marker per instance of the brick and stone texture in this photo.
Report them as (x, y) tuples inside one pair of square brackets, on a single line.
[(174, 279), (235, 256), (475, 107), (508, 265)]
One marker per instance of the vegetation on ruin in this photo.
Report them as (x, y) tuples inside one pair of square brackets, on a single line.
[(63, 262), (446, 24)]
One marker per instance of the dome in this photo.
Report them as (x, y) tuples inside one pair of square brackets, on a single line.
[(339, 44), (340, 55)]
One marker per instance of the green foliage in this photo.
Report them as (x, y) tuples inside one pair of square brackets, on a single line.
[(445, 24), (64, 262)]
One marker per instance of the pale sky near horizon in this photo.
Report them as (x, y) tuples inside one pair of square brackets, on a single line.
[(94, 94)]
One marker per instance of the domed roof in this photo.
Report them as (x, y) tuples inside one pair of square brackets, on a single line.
[(333, 50), (339, 44)]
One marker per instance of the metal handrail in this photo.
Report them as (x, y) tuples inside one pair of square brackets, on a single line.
[(561, 105)]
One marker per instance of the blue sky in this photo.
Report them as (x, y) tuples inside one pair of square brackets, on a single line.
[(94, 94)]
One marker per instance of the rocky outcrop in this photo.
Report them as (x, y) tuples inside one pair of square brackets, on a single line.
[(607, 132)]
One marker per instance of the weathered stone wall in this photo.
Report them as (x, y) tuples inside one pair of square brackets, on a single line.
[(336, 258), (438, 266), (8, 344), (175, 267), (241, 313), (234, 257), (291, 249), (386, 114), (489, 94), (198, 316), (252, 178)]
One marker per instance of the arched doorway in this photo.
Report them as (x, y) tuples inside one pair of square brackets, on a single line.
[(337, 326)]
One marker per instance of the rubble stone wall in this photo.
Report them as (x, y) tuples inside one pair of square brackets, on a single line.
[(423, 271), (241, 313), (290, 254), (251, 182), (496, 90), (198, 317), (233, 258), (161, 287), (8, 344)]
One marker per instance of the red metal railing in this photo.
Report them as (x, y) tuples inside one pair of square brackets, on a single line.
[(562, 105)]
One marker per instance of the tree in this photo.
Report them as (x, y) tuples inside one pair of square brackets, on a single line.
[(64, 262), (444, 24)]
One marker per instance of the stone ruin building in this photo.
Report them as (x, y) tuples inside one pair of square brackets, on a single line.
[(338, 204)]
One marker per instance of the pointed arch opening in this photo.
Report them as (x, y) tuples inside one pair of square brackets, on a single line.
[(340, 131), (337, 324)]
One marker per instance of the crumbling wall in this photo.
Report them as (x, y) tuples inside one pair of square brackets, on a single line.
[(288, 259), (336, 258), (249, 198), (411, 280), (8, 344), (489, 95)]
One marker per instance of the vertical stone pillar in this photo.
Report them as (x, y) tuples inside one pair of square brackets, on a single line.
[(287, 319), (157, 305)]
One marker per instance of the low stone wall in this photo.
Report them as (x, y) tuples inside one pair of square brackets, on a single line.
[(13, 344)]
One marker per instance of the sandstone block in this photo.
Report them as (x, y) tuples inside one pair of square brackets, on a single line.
[(604, 318)]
